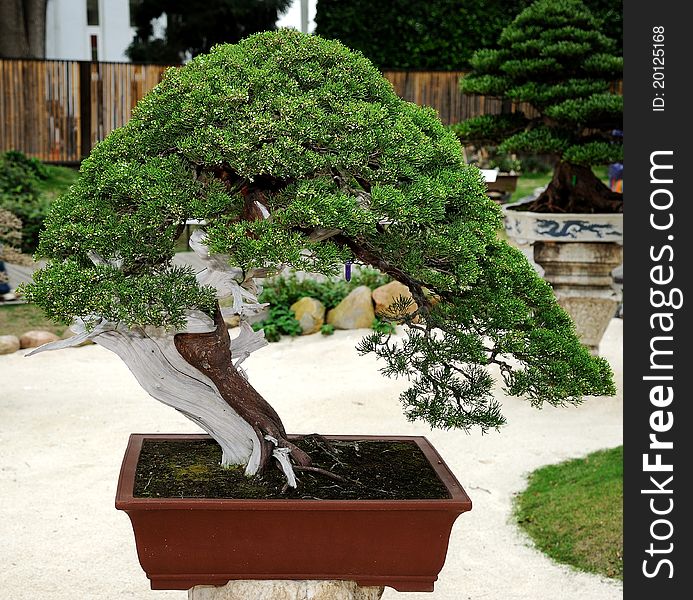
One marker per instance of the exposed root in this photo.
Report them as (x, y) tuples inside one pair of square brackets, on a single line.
[(575, 189), (323, 472)]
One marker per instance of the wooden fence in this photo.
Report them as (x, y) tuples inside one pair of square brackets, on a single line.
[(57, 110), (441, 90)]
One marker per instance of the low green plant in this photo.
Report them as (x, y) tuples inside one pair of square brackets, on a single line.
[(19, 194), (281, 292), (327, 329), (381, 326), (27, 188), (280, 321)]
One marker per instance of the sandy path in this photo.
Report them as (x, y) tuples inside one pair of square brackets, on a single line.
[(65, 417)]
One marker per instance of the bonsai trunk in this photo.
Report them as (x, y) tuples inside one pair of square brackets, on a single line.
[(210, 354), (576, 189)]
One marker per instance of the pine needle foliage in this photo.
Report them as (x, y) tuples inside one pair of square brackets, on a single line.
[(314, 131), (554, 57)]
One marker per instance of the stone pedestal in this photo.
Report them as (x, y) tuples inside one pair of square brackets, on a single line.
[(580, 274), (285, 590)]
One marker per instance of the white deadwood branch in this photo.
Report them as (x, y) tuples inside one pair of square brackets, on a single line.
[(151, 356)]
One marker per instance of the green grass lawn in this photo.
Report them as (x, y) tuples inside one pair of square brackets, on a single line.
[(59, 180), (17, 319), (573, 512)]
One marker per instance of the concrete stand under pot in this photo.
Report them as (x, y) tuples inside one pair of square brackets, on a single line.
[(578, 252)]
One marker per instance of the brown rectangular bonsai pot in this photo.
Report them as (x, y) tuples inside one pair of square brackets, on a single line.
[(184, 542)]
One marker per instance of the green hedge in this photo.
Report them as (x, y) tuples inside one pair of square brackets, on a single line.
[(20, 194), (435, 35)]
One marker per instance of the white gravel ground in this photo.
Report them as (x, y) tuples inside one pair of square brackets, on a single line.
[(65, 418)]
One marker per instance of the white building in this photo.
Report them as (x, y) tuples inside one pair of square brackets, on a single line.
[(293, 17), (102, 29), (88, 29)]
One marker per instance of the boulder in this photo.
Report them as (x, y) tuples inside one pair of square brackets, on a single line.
[(355, 311), (232, 321), (386, 294), (36, 338), (9, 344), (310, 313)]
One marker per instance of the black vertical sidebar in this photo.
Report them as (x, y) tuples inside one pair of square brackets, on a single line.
[(657, 270)]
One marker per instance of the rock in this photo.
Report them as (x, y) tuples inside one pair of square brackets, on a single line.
[(310, 313), (232, 321), (33, 339), (285, 590), (258, 316), (386, 294), (9, 344), (355, 311)]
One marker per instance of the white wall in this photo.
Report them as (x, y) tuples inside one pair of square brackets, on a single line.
[(292, 17), (68, 35)]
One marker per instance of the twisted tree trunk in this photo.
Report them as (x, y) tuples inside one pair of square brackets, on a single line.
[(210, 354), (576, 189)]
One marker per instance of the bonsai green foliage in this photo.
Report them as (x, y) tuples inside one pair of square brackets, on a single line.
[(554, 57), (311, 132)]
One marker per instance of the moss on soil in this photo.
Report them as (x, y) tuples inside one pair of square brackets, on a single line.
[(373, 470)]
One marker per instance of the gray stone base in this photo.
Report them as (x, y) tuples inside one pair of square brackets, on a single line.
[(285, 590), (581, 276)]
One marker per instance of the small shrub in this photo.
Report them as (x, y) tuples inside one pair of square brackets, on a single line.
[(26, 163), (282, 292), (381, 326), (11, 239), (327, 329), (19, 194), (280, 321)]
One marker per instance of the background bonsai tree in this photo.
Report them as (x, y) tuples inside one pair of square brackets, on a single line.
[(295, 151), (554, 57)]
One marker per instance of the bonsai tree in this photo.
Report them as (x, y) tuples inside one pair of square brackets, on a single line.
[(554, 58), (293, 150)]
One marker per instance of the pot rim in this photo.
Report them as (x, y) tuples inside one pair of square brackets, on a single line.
[(556, 215), (457, 500)]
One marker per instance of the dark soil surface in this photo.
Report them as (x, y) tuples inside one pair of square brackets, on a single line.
[(370, 470)]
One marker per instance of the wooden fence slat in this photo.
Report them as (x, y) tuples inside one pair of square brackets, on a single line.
[(58, 110)]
